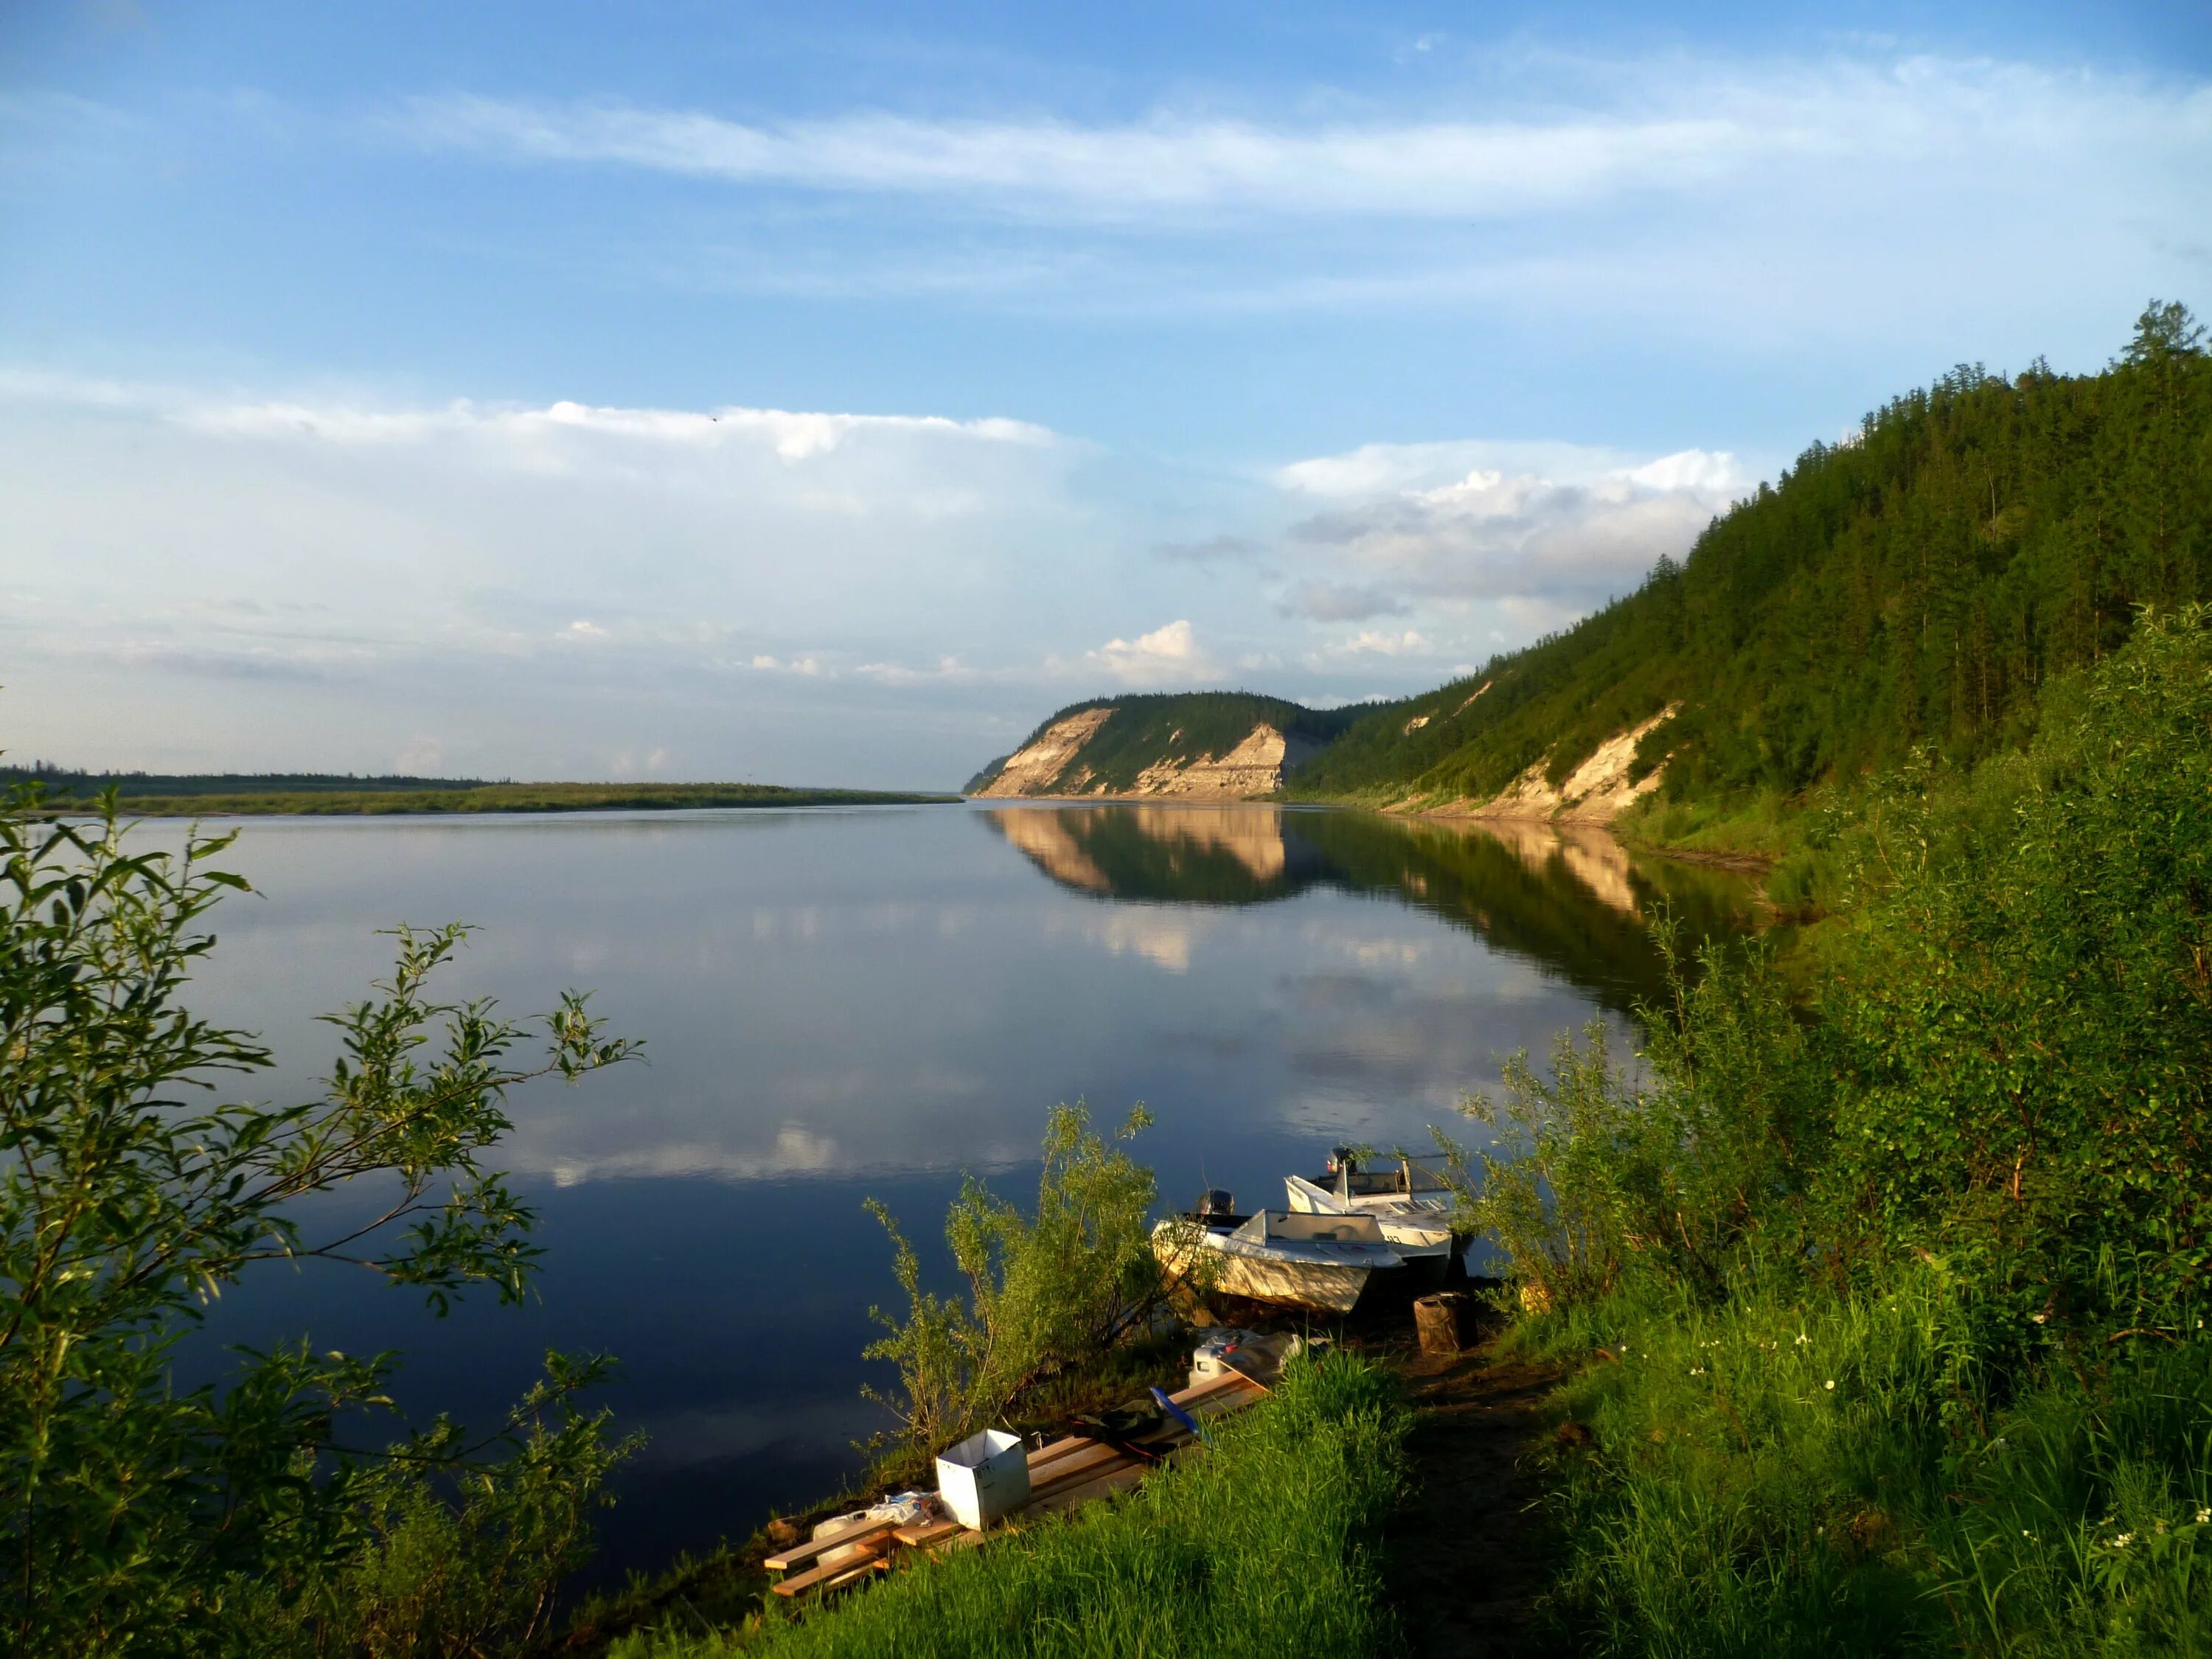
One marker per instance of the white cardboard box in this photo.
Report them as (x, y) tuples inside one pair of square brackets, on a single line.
[(985, 1476)]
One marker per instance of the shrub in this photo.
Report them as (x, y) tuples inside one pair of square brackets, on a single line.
[(1046, 1292), (235, 1520), (1686, 1175), (2027, 1024)]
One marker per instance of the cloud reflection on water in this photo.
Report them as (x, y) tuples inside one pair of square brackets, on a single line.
[(852, 992)]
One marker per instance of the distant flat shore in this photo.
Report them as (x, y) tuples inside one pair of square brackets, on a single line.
[(482, 797)]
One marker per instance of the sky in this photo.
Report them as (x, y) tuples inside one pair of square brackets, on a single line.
[(825, 394)]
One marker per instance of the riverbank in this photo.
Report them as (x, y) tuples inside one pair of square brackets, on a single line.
[(1263, 1545), (1439, 1547), (493, 798)]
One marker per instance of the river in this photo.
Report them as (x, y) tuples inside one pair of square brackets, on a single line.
[(845, 1003)]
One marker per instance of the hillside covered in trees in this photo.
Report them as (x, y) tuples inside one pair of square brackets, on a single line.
[(1911, 587), (1106, 745)]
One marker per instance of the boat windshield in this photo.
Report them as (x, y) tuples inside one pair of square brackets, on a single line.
[(1405, 1175), (1293, 1226)]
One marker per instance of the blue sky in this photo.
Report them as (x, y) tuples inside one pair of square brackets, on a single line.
[(826, 394)]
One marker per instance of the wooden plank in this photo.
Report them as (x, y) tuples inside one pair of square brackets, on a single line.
[(1097, 1486), (1082, 1476), (1070, 1467), (927, 1532), (800, 1554), (1221, 1405), (1059, 1449), (820, 1577), (1216, 1385)]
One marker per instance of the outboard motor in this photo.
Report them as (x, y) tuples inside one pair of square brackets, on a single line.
[(1344, 1160), (1214, 1201)]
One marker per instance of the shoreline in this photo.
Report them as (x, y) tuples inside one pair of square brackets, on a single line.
[(1743, 864), (1475, 1414), (516, 798)]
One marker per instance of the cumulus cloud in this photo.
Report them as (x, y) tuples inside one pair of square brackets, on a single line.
[(1169, 655), (1386, 469), (670, 566), (1494, 535), (1381, 642)]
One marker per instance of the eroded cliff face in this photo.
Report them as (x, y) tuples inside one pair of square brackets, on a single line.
[(1254, 767), (1596, 792), (1032, 770), (1052, 766)]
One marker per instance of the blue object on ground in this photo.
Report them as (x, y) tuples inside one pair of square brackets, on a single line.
[(1182, 1417)]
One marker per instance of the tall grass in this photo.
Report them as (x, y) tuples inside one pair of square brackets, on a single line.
[(1846, 1475), (1263, 1546)]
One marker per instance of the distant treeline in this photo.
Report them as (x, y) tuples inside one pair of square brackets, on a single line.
[(274, 794), (60, 779)]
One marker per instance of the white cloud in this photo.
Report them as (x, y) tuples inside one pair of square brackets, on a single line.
[(1168, 162), (1168, 655), (1385, 469), (1369, 641), (893, 673), (1601, 132), (1558, 543), (1690, 468), (537, 437), (390, 558)]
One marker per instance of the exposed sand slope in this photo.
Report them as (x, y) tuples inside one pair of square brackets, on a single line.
[(1031, 771), (1596, 792), (1255, 767)]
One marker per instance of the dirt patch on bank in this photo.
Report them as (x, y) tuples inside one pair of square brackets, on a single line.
[(1468, 1555), (1745, 864)]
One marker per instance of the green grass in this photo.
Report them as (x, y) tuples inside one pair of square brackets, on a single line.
[(1846, 1477), (494, 798), (1264, 1546)]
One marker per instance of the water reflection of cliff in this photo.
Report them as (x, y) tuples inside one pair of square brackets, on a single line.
[(1571, 898)]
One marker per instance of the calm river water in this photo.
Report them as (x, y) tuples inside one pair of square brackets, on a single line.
[(839, 1003)]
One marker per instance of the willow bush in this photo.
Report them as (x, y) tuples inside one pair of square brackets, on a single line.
[(243, 1517), (1049, 1291)]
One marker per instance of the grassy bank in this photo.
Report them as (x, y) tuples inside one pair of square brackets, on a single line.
[(1780, 1476), (493, 798), (1261, 1546), (1888, 1282)]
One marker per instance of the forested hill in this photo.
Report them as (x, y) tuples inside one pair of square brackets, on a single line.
[(1198, 742), (1912, 586)]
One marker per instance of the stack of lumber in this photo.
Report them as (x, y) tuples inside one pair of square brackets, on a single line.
[(1063, 1475)]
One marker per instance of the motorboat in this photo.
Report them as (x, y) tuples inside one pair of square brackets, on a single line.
[(1306, 1260), (1409, 1201)]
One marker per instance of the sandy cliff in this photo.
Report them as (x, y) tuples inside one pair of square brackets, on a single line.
[(1596, 792), (1031, 770), (1052, 765)]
